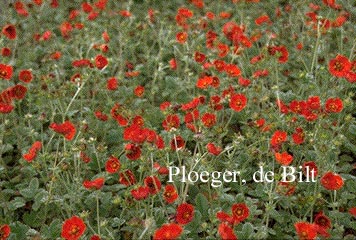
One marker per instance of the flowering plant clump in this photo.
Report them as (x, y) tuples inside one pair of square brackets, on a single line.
[(189, 119)]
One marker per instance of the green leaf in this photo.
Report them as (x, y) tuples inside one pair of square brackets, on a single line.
[(53, 231), (202, 205), (18, 231), (247, 231), (34, 218), (18, 202)]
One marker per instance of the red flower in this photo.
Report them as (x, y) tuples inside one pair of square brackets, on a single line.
[(101, 116), (133, 151), (238, 102), (5, 71), (199, 57), (306, 231), (82, 63), (297, 106), (140, 193), (127, 178), (94, 184), (323, 224), (170, 193), (177, 143), (112, 165), (283, 158), (100, 62), (4, 231), (313, 103), (112, 84), (240, 212), (9, 31), (153, 183), (298, 136), (333, 105), (278, 138), (232, 70), (67, 129), (331, 181), (352, 211), (204, 82), (173, 64), (25, 76), (184, 213), (312, 166), (226, 232), (339, 66), (5, 52), (139, 90), (95, 237), (169, 231), (18, 91), (73, 228), (263, 19), (6, 108), (208, 119), (171, 121), (32, 152), (212, 149), (181, 37), (65, 29), (84, 157), (116, 114)]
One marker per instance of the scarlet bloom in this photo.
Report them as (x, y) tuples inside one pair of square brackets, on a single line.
[(339, 66), (204, 82), (94, 184), (101, 116), (263, 19), (9, 31), (173, 64), (112, 165), (18, 91), (153, 184), (25, 76), (95, 237), (323, 224), (171, 121), (240, 212), (184, 213), (127, 178), (170, 193), (278, 138), (331, 181), (333, 105), (73, 228), (5, 52), (283, 158), (82, 63), (139, 90), (32, 152), (5, 71), (177, 143), (226, 232), (100, 61), (238, 102), (116, 113), (352, 211), (140, 193), (169, 231), (298, 136), (312, 167), (112, 84), (181, 37), (212, 149), (133, 152), (4, 231), (199, 57), (232, 70), (208, 119), (6, 108), (306, 231), (67, 129)]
